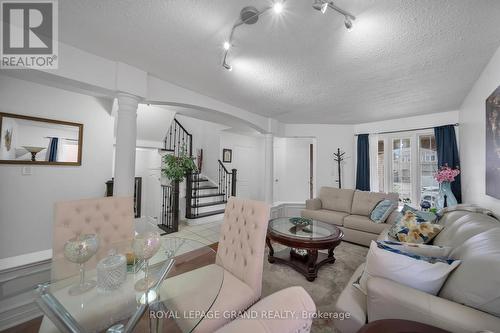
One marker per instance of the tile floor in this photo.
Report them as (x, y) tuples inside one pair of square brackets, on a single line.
[(205, 233)]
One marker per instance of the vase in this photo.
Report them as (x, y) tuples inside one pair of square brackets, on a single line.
[(445, 198)]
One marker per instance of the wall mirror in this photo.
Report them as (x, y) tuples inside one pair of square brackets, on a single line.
[(31, 140)]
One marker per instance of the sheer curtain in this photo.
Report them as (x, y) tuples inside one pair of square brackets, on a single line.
[(373, 139)]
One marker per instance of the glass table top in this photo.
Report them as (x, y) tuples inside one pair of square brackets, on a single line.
[(316, 230), (181, 299)]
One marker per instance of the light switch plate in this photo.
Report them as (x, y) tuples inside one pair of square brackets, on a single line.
[(27, 171)]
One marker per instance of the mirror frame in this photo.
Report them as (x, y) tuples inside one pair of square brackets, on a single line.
[(45, 120)]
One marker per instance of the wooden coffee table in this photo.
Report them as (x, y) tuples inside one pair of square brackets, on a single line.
[(303, 243)]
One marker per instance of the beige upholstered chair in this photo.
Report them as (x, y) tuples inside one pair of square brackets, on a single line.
[(111, 218), (293, 300), (241, 253)]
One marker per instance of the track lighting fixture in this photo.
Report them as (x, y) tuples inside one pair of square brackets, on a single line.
[(323, 5), (250, 15)]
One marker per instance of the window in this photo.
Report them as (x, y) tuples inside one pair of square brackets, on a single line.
[(429, 187), (380, 166), (406, 164), (402, 180)]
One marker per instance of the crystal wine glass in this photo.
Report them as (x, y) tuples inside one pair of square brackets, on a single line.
[(79, 250), (145, 246)]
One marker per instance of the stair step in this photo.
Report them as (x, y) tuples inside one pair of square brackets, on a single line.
[(199, 180), (206, 187), (215, 212), (208, 195), (207, 204)]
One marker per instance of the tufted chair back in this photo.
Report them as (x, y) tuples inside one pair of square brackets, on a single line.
[(111, 218), (243, 240)]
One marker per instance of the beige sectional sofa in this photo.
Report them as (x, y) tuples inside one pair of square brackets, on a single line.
[(350, 211), (468, 302)]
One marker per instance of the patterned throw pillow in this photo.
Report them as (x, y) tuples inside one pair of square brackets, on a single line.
[(382, 211), (409, 214)]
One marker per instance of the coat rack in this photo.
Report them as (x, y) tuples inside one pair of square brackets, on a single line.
[(339, 158)]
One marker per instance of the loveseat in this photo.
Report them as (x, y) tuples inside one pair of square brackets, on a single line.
[(469, 300), (349, 210)]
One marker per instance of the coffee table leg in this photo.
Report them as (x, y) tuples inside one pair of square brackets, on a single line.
[(270, 257), (330, 255), (312, 257)]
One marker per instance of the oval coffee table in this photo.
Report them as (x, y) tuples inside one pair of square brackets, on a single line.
[(303, 243)]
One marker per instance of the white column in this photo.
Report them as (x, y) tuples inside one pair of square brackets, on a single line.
[(269, 168), (125, 145)]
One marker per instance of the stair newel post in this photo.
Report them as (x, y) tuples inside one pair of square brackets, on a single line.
[(233, 182), (175, 206), (189, 194)]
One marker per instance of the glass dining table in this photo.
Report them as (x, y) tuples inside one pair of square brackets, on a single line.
[(187, 283)]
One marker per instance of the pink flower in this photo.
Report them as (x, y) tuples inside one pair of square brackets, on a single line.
[(446, 174)]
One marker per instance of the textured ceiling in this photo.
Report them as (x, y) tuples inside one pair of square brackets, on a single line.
[(403, 57)]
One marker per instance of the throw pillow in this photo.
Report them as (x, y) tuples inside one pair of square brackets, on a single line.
[(427, 274), (409, 217), (382, 211), (420, 249)]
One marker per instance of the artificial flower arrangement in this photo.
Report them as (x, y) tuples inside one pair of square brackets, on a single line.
[(446, 174)]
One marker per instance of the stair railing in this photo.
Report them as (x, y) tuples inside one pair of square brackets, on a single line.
[(169, 209), (227, 181), (178, 138)]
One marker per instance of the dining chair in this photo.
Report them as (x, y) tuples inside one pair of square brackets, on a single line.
[(111, 218), (241, 253), (297, 311)]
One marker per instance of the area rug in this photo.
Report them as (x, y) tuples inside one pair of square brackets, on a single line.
[(326, 288)]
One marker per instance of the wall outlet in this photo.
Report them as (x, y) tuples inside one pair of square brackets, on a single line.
[(27, 171)]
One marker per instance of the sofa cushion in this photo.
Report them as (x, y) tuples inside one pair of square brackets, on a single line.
[(324, 215), (363, 223), (456, 232), (351, 301), (336, 199), (476, 282), (363, 202)]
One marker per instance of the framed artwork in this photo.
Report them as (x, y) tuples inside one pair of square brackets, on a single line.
[(493, 144), (227, 155)]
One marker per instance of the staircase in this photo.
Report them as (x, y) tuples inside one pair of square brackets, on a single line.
[(205, 199)]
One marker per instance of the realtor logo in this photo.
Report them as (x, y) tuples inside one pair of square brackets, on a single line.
[(29, 34)]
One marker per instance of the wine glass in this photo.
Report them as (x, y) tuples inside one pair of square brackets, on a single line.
[(79, 250), (145, 246)]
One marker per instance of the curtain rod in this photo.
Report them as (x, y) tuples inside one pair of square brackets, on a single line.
[(55, 137), (408, 130)]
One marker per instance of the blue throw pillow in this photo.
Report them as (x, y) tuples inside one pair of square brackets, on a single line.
[(382, 211)]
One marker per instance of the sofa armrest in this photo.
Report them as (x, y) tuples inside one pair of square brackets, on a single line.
[(393, 217), (387, 299), (313, 204), (295, 307)]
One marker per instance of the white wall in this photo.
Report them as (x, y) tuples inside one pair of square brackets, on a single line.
[(26, 202), (147, 166), (249, 160), (328, 139), (472, 136)]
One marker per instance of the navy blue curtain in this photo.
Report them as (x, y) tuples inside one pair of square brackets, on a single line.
[(53, 150), (363, 169), (447, 151)]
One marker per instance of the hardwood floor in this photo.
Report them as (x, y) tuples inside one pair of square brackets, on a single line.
[(184, 263)]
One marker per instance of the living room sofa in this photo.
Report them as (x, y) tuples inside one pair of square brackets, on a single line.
[(469, 301), (350, 210)]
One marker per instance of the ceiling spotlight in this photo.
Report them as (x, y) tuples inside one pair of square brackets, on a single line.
[(226, 66), (348, 23), (320, 5), (227, 46), (278, 7)]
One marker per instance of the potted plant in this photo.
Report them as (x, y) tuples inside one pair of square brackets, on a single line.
[(175, 169)]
